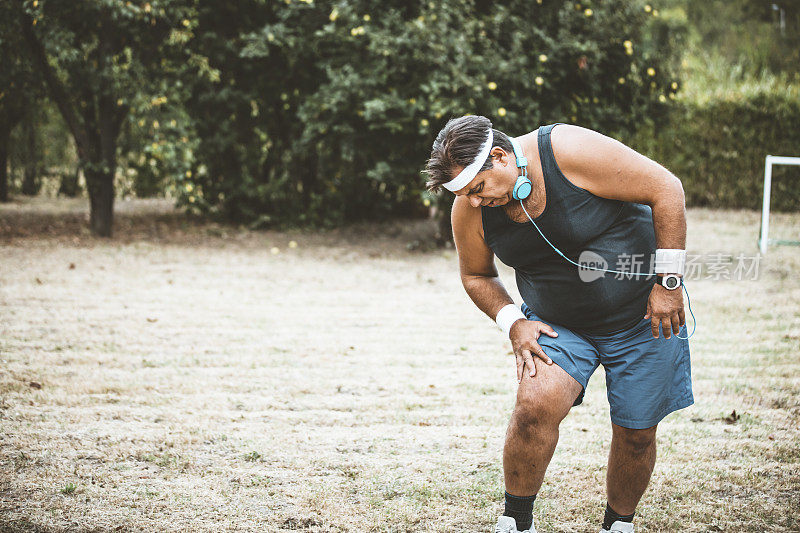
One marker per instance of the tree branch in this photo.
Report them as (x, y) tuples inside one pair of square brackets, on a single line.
[(57, 89)]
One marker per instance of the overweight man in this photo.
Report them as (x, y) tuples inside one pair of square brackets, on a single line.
[(544, 203)]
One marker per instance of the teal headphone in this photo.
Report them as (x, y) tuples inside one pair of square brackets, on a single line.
[(523, 186)]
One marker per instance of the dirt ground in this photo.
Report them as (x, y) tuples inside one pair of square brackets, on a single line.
[(188, 376)]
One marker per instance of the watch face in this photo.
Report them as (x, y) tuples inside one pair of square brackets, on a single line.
[(671, 282)]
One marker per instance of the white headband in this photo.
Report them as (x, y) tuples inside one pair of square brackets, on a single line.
[(470, 171)]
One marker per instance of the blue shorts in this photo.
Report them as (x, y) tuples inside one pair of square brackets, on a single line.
[(646, 378)]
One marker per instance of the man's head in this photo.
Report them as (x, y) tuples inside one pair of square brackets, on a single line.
[(456, 148)]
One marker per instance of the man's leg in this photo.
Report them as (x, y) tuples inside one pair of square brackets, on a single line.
[(542, 403), (630, 464)]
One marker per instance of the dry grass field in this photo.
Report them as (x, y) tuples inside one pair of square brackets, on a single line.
[(186, 376)]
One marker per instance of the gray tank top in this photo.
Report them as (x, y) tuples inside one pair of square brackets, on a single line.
[(576, 221)]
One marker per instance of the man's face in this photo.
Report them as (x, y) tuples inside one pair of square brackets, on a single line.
[(491, 187)]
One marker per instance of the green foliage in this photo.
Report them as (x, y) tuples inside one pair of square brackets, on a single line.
[(20, 84), (739, 101), (737, 46), (324, 112), (717, 149), (157, 146)]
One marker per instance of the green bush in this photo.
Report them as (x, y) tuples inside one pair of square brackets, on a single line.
[(324, 112), (718, 148)]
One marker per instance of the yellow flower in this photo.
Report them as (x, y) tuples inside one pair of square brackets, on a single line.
[(119, 101), (188, 173), (292, 244), (539, 80), (501, 111), (662, 98), (492, 86), (648, 8), (655, 12), (270, 36), (674, 85), (275, 250), (35, 3), (542, 58), (588, 12), (357, 31), (147, 8), (424, 122), (412, 101), (334, 14), (186, 23), (191, 199), (189, 187), (621, 81), (426, 202), (367, 17), (155, 124), (141, 122), (651, 71), (627, 44)]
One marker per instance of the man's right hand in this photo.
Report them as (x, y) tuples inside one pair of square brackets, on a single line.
[(524, 335)]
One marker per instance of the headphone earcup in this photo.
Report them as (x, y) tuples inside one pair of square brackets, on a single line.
[(522, 189)]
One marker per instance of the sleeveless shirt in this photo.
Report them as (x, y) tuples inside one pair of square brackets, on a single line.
[(576, 221)]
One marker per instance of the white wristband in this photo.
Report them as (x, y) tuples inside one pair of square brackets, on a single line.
[(670, 261), (507, 316)]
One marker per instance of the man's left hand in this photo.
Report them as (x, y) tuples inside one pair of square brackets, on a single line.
[(665, 310)]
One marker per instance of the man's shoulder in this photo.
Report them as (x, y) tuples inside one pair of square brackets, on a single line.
[(465, 217)]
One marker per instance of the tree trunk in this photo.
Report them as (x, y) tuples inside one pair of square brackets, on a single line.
[(444, 233), (69, 184), (4, 134), (30, 181), (101, 201)]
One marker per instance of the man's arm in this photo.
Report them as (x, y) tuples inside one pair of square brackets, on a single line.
[(476, 261), (482, 283), (607, 168)]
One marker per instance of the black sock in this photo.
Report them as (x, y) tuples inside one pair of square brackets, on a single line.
[(520, 508), (612, 516)]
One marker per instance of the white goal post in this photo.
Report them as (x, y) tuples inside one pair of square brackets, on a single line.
[(763, 240)]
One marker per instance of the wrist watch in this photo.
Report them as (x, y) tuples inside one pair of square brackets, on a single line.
[(669, 281)]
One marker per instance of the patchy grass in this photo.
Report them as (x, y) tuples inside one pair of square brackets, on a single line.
[(182, 377)]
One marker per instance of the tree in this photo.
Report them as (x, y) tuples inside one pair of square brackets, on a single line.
[(20, 88), (96, 57)]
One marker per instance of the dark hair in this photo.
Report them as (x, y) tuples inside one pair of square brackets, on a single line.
[(456, 146)]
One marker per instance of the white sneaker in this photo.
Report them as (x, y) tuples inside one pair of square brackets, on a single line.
[(619, 527), (506, 524)]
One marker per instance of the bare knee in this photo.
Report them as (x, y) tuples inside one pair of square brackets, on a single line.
[(635, 441), (535, 414), (544, 401)]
